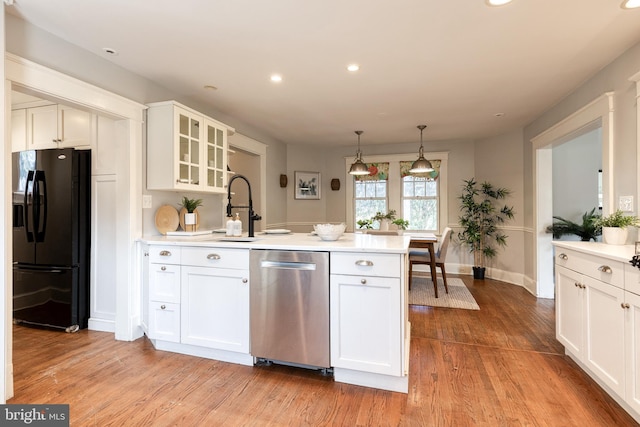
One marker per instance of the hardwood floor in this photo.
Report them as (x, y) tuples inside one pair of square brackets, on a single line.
[(499, 366)]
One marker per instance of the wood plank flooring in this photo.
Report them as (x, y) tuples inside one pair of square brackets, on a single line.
[(499, 366)]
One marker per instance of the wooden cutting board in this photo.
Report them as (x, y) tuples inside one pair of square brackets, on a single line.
[(167, 219)]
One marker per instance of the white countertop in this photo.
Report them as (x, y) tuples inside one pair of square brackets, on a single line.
[(348, 242), (622, 253)]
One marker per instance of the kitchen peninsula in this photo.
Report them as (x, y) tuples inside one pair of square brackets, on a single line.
[(196, 300)]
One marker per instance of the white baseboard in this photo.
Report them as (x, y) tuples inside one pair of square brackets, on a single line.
[(102, 325)]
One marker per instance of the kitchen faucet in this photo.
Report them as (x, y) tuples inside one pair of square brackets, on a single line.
[(252, 215)]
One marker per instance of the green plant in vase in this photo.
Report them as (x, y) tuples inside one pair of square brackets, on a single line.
[(190, 219)]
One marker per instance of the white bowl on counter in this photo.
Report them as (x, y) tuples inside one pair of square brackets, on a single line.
[(329, 232)]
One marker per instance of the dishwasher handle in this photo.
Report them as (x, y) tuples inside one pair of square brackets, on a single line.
[(288, 265)]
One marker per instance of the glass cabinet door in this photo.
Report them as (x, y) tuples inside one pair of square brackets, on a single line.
[(190, 138), (215, 155)]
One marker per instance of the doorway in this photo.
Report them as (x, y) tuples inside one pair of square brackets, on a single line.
[(598, 113)]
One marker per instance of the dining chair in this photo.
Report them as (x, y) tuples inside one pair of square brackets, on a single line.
[(422, 257)]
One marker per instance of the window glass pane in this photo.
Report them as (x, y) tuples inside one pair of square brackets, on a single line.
[(407, 188), (422, 214), (431, 188), (381, 188), (360, 189)]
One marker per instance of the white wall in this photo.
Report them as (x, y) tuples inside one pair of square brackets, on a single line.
[(575, 176)]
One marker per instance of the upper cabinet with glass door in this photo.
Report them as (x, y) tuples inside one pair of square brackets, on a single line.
[(185, 149)]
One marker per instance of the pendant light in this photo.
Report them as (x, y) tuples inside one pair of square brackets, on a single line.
[(359, 167), (421, 165)]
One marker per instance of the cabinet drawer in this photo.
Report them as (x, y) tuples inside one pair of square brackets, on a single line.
[(216, 257), (164, 282), (164, 254), (369, 264), (599, 268), (632, 279)]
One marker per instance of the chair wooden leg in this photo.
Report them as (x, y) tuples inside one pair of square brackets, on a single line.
[(444, 277), (410, 273), (435, 284)]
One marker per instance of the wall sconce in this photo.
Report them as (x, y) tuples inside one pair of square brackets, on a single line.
[(335, 184), (283, 180)]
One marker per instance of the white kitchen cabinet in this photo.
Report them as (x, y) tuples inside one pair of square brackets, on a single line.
[(164, 293), (590, 319), (593, 320), (18, 130), (215, 308), (58, 126), (186, 151), (366, 313), (632, 349)]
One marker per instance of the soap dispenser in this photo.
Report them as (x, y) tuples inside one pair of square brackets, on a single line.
[(237, 226), (230, 226)]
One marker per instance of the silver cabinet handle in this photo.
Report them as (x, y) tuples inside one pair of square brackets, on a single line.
[(605, 269), (165, 253), (364, 262), (163, 306), (625, 305), (363, 281), (245, 280), (163, 268), (563, 256), (213, 256)]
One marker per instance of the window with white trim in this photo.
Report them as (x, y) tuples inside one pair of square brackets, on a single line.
[(421, 200)]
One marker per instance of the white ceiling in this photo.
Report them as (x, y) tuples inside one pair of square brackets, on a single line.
[(450, 64)]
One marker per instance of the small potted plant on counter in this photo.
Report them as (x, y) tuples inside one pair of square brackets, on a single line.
[(384, 219), (402, 224), (614, 227), (190, 205), (365, 224)]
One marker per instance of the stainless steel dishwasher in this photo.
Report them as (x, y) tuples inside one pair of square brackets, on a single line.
[(290, 307)]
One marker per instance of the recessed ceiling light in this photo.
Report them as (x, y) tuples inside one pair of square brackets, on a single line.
[(210, 87), (110, 51), (353, 67), (276, 78), (497, 2), (630, 4), (499, 114)]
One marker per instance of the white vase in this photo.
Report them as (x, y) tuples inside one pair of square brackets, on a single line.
[(384, 225), (614, 235), (189, 218)]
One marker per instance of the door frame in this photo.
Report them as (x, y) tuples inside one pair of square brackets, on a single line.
[(598, 112), (28, 76)]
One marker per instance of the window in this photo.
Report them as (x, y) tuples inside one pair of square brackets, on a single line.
[(421, 200)]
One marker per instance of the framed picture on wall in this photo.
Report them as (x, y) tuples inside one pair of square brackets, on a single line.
[(307, 185)]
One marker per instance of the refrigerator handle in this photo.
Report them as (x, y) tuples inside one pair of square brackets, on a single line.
[(41, 221), (30, 178)]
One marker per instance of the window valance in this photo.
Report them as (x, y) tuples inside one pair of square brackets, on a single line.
[(377, 172), (431, 176)]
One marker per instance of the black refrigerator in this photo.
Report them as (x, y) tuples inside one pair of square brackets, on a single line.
[(51, 238)]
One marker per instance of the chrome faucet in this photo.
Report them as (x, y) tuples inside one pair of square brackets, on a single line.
[(252, 215)]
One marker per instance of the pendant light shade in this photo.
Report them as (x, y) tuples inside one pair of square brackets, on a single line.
[(421, 165), (359, 167)]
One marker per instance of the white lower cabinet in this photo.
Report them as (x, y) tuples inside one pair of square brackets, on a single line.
[(365, 331), (369, 329), (598, 321), (164, 293), (215, 308), (164, 321)]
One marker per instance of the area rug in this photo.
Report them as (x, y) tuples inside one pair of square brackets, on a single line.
[(422, 293)]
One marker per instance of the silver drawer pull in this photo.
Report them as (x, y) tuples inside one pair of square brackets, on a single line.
[(364, 262), (563, 256), (363, 281), (213, 256), (163, 268), (245, 280), (624, 305), (163, 306), (165, 253), (605, 269)]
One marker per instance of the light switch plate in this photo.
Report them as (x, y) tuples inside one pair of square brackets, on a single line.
[(625, 203), (146, 201)]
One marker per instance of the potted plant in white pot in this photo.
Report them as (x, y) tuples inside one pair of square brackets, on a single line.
[(479, 221), (614, 227), (384, 220), (190, 216)]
